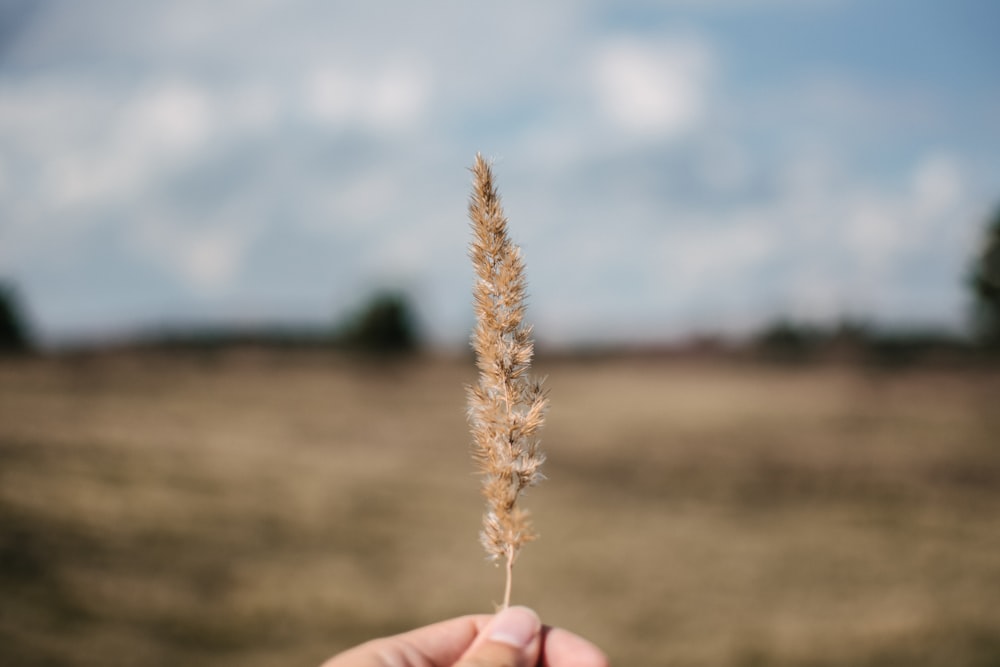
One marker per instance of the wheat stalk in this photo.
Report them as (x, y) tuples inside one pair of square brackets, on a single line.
[(506, 407)]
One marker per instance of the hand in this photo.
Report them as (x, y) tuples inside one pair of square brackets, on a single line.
[(513, 637)]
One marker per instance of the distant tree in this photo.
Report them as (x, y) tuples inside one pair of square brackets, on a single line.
[(984, 282), (384, 326), (14, 338), (788, 341)]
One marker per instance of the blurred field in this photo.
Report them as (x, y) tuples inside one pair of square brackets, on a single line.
[(255, 509)]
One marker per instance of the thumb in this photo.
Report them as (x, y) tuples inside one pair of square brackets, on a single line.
[(511, 639)]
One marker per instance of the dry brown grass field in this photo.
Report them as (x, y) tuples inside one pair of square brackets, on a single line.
[(257, 509)]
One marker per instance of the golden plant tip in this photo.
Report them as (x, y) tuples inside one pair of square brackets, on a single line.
[(506, 407)]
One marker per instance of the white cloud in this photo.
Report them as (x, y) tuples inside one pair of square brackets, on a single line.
[(715, 255), (876, 230), (653, 89), (332, 95), (393, 97), (883, 228), (359, 201), (170, 118), (121, 148), (208, 259), (936, 184), (399, 96)]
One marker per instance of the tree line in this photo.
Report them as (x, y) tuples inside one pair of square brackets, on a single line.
[(386, 325)]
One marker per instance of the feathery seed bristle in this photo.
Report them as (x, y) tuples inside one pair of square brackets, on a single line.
[(506, 407)]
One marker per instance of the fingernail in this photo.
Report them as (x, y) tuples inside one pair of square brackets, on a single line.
[(515, 626)]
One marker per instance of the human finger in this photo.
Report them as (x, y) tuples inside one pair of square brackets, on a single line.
[(437, 644), (512, 638)]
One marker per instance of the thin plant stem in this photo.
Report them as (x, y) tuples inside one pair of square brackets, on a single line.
[(510, 579)]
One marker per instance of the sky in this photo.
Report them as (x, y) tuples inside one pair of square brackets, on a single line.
[(669, 168)]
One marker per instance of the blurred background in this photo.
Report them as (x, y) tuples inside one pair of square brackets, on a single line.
[(763, 250)]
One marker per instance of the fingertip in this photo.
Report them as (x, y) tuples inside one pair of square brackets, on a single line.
[(512, 638), (514, 626)]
